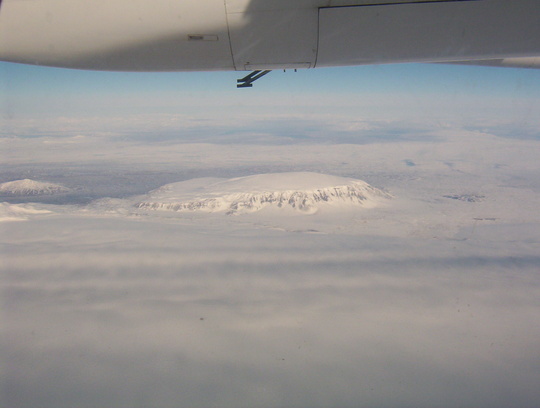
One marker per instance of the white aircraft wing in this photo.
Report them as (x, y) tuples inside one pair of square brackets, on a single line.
[(524, 62), (182, 35)]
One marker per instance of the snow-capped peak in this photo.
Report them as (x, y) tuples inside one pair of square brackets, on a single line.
[(29, 187), (302, 192)]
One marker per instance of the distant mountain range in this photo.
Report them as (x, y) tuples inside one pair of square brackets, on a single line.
[(29, 187), (301, 192)]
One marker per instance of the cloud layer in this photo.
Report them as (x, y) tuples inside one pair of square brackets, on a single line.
[(116, 312), (429, 301), (426, 301)]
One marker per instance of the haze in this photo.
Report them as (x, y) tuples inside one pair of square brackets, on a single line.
[(431, 298)]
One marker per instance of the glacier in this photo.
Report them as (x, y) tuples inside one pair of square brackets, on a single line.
[(300, 192)]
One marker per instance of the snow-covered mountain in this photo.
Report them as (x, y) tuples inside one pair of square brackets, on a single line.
[(29, 187), (300, 192)]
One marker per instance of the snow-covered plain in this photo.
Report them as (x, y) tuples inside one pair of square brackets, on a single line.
[(426, 297), (15, 212)]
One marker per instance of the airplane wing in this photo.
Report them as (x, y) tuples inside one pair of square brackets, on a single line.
[(184, 35), (525, 62)]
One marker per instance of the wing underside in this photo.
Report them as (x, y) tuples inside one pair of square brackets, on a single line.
[(165, 35)]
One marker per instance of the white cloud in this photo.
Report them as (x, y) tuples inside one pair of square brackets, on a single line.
[(428, 301), (114, 311)]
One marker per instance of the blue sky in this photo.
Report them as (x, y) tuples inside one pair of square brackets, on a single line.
[(442, 94), (24, 83)]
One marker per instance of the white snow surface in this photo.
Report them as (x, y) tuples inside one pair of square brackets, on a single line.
[(18, 212), (301, 192), (29, 187)]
